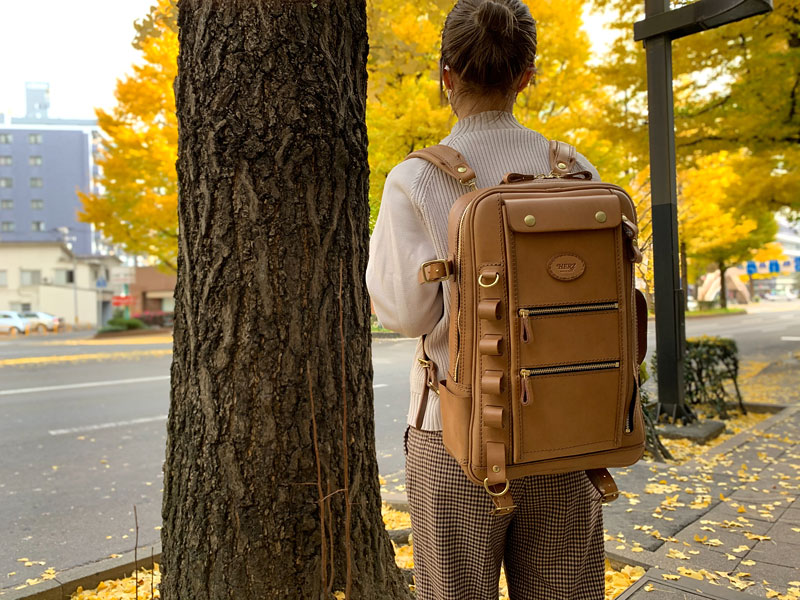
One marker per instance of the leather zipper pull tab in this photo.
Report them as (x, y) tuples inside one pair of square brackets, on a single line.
[(527, 334), (526, 394)]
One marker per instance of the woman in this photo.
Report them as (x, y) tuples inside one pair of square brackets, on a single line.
[(552, 544)]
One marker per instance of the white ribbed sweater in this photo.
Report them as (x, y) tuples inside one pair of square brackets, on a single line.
[(412, 228)]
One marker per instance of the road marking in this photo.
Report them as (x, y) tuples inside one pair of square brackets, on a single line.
[(379, 385), (76, 386), (790, 338), (35, 360), (85, 428)]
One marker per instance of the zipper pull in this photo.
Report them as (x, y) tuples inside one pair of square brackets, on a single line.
[(527, 334), (526, 387)]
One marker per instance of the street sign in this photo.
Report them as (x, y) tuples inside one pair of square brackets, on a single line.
[(122, 275), (101, 283), (121, 300)]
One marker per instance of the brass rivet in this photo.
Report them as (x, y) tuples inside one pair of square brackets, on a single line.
[(600, 216), (562, 165), (530, 220), (462, 169), (496, 469)]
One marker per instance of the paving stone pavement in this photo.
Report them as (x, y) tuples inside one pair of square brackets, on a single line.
[(728, 517)]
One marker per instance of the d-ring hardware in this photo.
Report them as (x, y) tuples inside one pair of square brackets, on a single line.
[(488, 285), (495, 494)]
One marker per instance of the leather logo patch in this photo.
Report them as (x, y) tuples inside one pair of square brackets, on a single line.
[(566, 267)]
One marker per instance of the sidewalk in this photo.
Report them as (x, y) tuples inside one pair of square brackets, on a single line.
[(720, 525)]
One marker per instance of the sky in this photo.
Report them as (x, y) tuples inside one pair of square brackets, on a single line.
[(81, 47)]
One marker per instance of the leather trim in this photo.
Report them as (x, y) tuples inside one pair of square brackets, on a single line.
[(557, 215), (448, 159)]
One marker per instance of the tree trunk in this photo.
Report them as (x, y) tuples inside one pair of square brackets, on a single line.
[(263, 499), (723, 289)]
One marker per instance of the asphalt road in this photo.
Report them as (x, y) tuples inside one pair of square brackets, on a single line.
[(82, 441)]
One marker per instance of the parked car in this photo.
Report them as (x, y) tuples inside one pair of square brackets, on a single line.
[(42, 321), (12, 323), (780, 295)]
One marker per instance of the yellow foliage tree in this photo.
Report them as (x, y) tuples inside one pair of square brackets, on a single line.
[(717, 220), (404, 108), (137, 208)]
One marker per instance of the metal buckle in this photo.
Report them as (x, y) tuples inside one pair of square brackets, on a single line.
[(426, 364), (609, 496), (503, 510), (496, 494), (447, 271)]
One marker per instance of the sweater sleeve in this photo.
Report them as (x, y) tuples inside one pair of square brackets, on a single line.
[(399, 245)]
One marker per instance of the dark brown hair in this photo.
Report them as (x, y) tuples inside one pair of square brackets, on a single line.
[(488, 44)]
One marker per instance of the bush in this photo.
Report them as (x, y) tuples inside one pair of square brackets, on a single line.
[(123, 324), (707, 363), (112, 329)]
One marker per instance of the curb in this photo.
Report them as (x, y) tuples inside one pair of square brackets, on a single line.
[(87, 576), (133, 332)]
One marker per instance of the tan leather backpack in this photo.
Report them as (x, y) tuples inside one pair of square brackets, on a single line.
[(545, 341)]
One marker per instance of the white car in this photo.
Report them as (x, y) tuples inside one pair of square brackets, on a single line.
[(11, 323), (42, 321), (781, 295)]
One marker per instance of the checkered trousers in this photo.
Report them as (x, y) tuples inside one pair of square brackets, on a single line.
[(551, 546)]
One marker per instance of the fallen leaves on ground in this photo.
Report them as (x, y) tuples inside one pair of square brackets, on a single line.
[(124, 589)]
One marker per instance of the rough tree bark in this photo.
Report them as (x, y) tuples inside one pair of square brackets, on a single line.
[(272, 367)]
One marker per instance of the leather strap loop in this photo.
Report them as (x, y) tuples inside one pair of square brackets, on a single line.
[(449, 160), (562, 157), (604, 483), (430, 383), (496, 464), (434, 271), (493, 416)]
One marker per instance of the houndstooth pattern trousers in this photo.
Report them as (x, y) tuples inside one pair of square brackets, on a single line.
[(551, 545)]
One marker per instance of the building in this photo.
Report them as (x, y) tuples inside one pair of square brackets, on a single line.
[(43, 163), (152, 291), (49, 277)]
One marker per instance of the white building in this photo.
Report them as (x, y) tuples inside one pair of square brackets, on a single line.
[(48, 277)]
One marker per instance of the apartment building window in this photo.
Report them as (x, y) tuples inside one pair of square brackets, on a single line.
[(6, 182), (6, 138), (30, 277), (6, 203), (3, 278), (35, 161), (35, 138), (37, 182), (37, 226), (37, 204), (6, 161), (64, 277), (6, 225)]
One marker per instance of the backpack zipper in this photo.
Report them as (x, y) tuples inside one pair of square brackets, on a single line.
[(526, 391), (460, 294), (524, 313)]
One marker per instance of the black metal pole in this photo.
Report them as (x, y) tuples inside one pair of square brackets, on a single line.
[(669, 301)]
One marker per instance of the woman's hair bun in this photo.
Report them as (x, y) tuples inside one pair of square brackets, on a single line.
[(495, 17)]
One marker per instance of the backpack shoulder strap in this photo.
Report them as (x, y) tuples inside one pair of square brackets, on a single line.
[(562, 157), (449, 160)]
